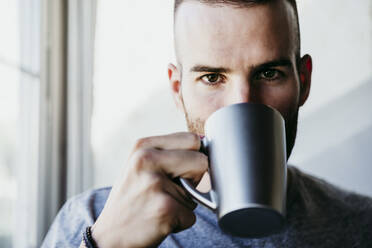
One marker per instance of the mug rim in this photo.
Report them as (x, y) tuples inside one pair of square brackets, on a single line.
[(235, 105)]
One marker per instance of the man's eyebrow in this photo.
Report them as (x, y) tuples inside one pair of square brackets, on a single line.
[(274, 63), (204, 68)]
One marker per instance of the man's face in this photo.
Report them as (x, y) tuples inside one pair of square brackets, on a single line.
[(231, 55)]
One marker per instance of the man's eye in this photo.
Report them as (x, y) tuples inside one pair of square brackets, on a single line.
[(269, 74), (212, 78)]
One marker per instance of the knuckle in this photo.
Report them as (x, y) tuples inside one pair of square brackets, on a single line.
[(201, 162), (194, 140), (205, 162), (166, 229), (142, 158), (155, 182), (141, 143)]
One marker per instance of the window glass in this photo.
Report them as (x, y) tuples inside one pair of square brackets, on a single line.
[(19, 94), (9, 110)]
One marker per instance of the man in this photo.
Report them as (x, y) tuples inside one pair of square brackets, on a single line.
[(228, 52)]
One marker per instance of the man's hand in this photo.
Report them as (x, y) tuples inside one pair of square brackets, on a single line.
[(146, 205)]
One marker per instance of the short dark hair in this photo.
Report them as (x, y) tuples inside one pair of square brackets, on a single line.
[(247, 3)]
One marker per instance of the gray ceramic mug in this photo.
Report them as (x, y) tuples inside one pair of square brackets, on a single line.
[(246, 147)]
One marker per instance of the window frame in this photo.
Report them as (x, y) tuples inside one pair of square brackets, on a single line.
[(65, 157), (52, 124)]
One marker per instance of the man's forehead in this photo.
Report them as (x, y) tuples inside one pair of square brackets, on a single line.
[(223, 32)]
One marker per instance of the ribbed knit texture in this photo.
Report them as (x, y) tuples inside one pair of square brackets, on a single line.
[(318, 215)]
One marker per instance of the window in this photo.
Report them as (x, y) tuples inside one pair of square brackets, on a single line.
[(35, 118), (67, 124), (19, 95), (9, 113)]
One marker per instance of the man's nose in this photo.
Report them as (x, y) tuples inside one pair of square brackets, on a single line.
[(241, 92)]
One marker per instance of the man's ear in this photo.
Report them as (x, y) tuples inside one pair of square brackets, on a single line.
[(174, 76), (305, 71)]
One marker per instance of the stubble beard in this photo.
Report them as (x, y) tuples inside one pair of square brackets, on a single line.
[(291, 120), (193, 125)]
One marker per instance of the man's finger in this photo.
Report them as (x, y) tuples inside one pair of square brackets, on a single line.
[(175, 141), (174, 163), (179, 193)]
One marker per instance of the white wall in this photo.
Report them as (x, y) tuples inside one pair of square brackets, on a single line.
[(335, 125)]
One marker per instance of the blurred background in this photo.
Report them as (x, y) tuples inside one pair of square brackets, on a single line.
[(81, 80)]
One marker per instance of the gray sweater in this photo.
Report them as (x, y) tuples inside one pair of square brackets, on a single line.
[(318, 215)]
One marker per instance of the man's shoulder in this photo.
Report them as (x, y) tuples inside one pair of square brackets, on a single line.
[(88, 204), (92, 200), (327, 195), (321, 208), (76, 214)]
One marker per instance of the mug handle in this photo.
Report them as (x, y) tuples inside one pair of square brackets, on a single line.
[(203, 198)]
